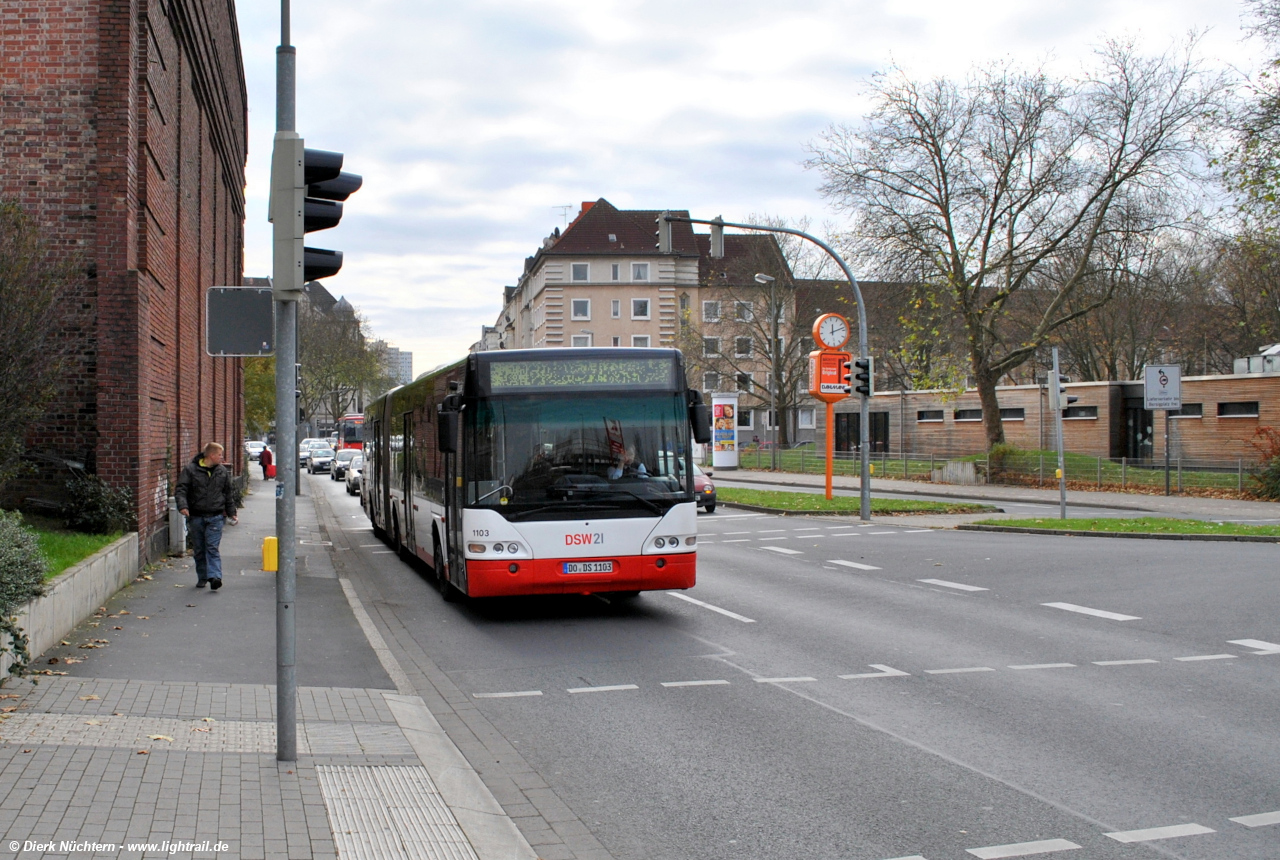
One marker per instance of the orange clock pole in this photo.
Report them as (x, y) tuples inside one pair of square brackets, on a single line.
[(831, 443)]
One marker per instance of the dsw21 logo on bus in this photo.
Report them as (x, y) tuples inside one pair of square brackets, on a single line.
[(584, 539)]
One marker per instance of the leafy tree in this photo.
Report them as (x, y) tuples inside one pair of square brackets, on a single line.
[(259, 395), (1010, 182)]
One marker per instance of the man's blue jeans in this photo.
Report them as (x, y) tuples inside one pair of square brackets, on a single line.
[(206, 535)]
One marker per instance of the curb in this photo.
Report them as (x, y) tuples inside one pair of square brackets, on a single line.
[(1139, 535), (781, 513)]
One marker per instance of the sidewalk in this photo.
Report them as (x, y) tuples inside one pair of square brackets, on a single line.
[(1189, 507), (157, 724)]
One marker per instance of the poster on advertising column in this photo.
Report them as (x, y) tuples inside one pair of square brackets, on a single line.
[(724, 431)]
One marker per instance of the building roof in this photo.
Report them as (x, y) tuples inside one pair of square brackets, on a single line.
[(602, 228)]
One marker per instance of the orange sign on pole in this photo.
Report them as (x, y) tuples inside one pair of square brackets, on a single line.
[(830, 373)]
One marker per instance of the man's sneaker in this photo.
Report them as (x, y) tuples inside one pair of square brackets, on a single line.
[(202, 583), (215, 584)]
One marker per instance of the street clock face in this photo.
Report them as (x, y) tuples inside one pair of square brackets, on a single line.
[(831, 331)]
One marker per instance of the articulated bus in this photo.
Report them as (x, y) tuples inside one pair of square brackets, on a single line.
[(548, 471), (350, 431)]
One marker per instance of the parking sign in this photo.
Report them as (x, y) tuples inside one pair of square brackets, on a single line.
[(1162, 386)]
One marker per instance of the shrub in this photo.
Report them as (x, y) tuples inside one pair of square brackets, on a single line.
[(22, 569), (1266, 480), (95, 507), (1001, 455)]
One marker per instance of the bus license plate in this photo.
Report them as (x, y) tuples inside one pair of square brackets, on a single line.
[(588, 567)]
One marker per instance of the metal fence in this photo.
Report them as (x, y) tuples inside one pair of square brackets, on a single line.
[(1024, 468)]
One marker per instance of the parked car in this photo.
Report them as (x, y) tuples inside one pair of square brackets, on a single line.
[(354, 475), (320, 459), (703, 490), (341, 461), (304, 448), (254, 449)]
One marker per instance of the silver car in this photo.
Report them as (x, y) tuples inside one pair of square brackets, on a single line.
[(320, 459), (354, 475)]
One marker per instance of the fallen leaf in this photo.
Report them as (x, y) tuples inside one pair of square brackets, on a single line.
[(208, 719), (198, 729), (26, 751), (11, 696), (117, 628), (53, 660), (178, 585), (144, 752), (72, 659), (49, 672), (93, 722), (124, 612), (94, 624), (145, 617), (103, 641), (102, 609), (190, 605), (90, 698), (64, 642), (90, 645), (160, 737), (8, 710)]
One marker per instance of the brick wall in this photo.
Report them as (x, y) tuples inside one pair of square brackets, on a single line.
[(124, 130)]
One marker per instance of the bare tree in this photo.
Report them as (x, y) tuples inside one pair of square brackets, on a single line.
[(1007, 181), (32, 281), (339, 359)]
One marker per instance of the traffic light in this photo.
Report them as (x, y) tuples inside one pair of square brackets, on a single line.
[(846, 375), (1064, 399), (863, 376), (664, 233), (327, 186)]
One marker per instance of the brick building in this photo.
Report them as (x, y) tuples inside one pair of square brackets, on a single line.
[(124, 132)]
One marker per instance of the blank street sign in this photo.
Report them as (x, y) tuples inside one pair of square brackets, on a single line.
[(239, 321)]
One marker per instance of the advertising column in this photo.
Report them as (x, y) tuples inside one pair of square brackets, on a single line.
[(724, 431)]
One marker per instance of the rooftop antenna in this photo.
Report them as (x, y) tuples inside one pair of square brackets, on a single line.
[(564, 212)]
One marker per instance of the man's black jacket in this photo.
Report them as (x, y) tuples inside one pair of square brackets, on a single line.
[(205, 491)]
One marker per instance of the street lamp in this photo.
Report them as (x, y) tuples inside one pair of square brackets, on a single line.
[(773, 366)]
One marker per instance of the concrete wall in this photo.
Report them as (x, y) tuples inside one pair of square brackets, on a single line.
[(75, 594)]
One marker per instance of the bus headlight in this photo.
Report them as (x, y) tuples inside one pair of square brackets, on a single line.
[(691, 541), (497, 547), (477, 548), (660, 543), (515, 547)]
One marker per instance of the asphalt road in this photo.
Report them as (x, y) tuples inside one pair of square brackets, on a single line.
[(873, 692)]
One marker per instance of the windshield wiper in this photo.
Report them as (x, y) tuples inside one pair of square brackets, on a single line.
[(653, 506), (576, 506)]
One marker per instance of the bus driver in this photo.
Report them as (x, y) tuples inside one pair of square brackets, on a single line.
[(626, 465)]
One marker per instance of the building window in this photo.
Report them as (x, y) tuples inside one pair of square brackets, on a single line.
[(924, 416), (1188, 410), (615, 308), (744, 419), (617, 341), (639, 309), (968, 415), (639, 271), (745, 382), (581, 309), (579, 271), (1012, 413), (710, 346), (615, 272), (805, 420), (1080, 412), (711, 312), (710, 381), (640, 340), (580, 340), (743, 311), (742, 346), (1239, 409)]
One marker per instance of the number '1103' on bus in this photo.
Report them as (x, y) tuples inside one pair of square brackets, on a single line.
[(549, 471)]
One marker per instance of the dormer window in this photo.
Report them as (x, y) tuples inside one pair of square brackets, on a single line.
[(613, 237)]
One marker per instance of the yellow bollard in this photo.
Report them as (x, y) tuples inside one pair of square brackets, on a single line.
[(269, 553)]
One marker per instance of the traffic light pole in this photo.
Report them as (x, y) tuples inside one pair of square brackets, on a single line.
[(285, 276), (1058, 405), (864, 430)]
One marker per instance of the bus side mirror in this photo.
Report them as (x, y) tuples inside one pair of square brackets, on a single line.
[(447, 431), (699, 418)]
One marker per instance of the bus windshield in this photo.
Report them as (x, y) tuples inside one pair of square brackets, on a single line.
[(569, 454)]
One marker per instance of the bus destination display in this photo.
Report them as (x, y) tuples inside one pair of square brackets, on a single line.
[(507, 377)]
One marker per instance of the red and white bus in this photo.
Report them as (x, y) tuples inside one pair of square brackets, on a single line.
[(549, 471), (350, 430)]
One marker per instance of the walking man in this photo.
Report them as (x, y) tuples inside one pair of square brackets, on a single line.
[(204, 497), (265, 459)]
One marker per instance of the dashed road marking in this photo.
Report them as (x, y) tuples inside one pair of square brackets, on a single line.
[(780, 537), (961, 586), (1262, 819), (1023, 849), (512, 695), (1100, 613), (609, 688), (1151, 833), (882, 533), (1122, 662), (768, 531), (853, 564), (697, 602), (1206, 657), (1046, 666), (795, 680), (847, 534), (958, 671), (716, 683), (783, 550), (1262, 647), (885, 672), (737, 540)]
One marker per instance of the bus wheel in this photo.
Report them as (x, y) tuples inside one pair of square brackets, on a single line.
[(447, 591)]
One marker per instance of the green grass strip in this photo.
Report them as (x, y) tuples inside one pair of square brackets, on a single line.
[(785, 501), (1140, 525), (62, 549)]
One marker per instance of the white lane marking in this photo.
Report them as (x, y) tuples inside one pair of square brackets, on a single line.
[(810, 529), (606, 689), (885, 672), (852, 564), (1122, 662), (912, 857), (917, 531), (507, 695), (1263, 647), (847, 534), (739, 516), (783, 550), (693, 683), (1022, 849), (1100, 613), (381, 552), (784, 680), (1170, 832), (1206, 657), (958, 585), (737, 540), (694, 600), (738, 533), (370, 545), (783, 537), (865, 525), (882, 533), (1046, 666), (1262, 819), (955, 671), (768, 531)]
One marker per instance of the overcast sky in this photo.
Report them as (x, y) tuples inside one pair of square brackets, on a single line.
[(473, 122)]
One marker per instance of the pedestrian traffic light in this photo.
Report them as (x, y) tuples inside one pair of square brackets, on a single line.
[(663, 233), (326, 187), (863, 376), (1064, 399), (846, 375)]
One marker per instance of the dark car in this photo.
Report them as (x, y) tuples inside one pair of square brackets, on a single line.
[(341, 460), (704, 490)]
